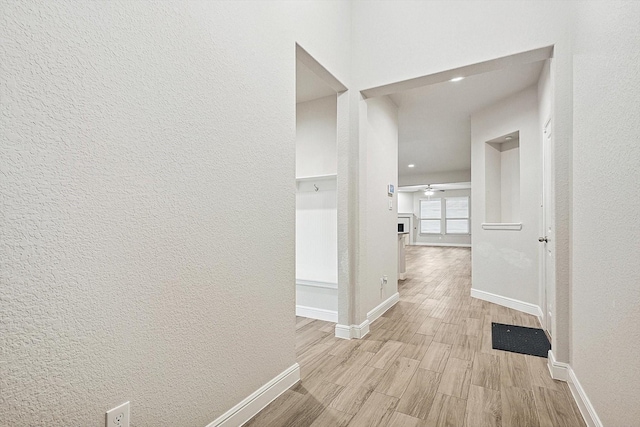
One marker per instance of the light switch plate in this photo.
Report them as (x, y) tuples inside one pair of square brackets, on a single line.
[(390, 204)]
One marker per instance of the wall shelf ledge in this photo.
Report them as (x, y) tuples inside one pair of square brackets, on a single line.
[(513, 226), (316, 177)]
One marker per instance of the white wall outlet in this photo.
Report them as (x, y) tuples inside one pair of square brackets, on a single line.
[(118, 416)]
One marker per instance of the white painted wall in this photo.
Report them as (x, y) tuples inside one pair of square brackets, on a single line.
[(606, 252), (506, 262), (510, 183), (130, 270), (316, 233), (492, 184), (316, 131), (442, 239), (378, 224), (405, 203)]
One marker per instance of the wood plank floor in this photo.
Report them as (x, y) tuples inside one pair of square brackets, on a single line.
[(427, 362)]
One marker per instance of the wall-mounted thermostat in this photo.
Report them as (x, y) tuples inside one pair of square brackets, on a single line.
[(391, 189)]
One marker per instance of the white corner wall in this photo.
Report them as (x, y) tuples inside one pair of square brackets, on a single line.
[(130, 270), (606, 228), (378, 231), (316, 130), (405, 203), (505, 262)]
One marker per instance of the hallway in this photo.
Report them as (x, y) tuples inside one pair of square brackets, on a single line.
[(427, 362)]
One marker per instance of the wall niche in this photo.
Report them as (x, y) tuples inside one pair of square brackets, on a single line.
[(502, 179)]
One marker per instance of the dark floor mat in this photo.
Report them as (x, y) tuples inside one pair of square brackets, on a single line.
[(519, 339)]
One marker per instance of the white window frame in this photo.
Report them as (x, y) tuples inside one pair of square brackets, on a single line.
[(430, 218), (467, 218)]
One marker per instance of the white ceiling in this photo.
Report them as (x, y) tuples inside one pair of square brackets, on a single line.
[(434, 121), (309, 86)]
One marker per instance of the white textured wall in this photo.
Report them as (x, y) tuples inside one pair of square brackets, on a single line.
[(405, 202), (130, 271), (506, 262), (492, 184), (606, 255), (316, 132), (378, 224), (317, 233), (510, 184)]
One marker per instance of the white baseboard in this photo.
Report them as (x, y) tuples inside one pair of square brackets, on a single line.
[(401, 276), (383, 307), (563, 372), (343, 331), (259, 399), (515, 304), (452, 245), (354, 331), (558, 370), (584, 404), (317, 313), (359, 331)]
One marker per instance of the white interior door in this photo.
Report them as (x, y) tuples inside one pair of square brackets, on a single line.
[(547, 242)]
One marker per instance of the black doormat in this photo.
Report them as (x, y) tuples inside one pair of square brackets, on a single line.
[(518, 339)]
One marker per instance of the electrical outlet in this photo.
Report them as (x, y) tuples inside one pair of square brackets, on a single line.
[(118, 416)]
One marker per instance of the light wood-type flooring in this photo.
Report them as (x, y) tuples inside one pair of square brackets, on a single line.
[(427, 361)]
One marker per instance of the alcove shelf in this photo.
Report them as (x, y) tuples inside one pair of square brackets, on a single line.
[(513, 226), (317, 177)]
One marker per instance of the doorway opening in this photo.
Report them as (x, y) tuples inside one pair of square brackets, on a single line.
[(475, 170), (316, 217)]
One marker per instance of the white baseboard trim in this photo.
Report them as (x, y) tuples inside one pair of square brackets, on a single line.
[(359, 331), (259, 399), (317, 313), (584, 404), (563, 372), (343, 331), (383, 307), (353, 331), (515, 304), (558, 370), (453, 245), (401, 276)]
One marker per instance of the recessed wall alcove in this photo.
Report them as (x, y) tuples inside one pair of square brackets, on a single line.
[(502, 180)]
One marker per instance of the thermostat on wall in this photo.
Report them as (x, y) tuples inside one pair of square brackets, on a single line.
[(391, 189)]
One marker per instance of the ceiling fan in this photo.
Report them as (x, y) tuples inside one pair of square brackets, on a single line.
[(430, 191)]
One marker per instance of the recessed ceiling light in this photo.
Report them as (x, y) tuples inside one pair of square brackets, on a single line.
[(456, 79), (411, 165), (509, 138)]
